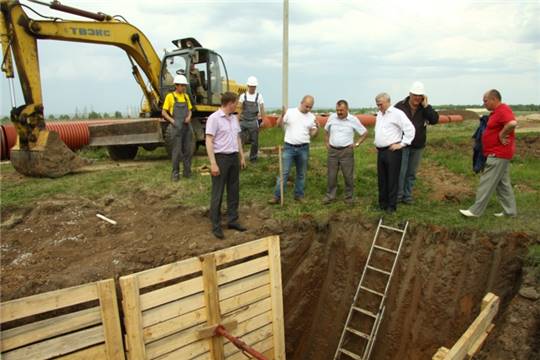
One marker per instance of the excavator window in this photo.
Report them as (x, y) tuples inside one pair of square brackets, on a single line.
[(218, 78), (172, 66)]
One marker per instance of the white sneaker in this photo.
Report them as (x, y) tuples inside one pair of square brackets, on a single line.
[(501, 214), (467, 213)]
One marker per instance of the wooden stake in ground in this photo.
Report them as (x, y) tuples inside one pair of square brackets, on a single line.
[(280, 176)]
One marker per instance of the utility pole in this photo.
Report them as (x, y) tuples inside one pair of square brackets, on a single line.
[(285, 75)]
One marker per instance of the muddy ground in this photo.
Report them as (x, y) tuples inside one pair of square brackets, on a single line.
[(439, 282)]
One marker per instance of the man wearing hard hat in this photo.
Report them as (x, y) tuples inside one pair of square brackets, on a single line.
[(177, 111), (420, 113), (251, 115)]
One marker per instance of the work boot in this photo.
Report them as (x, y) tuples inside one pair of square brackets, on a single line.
[(236, 226), (327, 201), (218, 233)]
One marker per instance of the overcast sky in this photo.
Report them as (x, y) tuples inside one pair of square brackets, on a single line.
[(338, 49)]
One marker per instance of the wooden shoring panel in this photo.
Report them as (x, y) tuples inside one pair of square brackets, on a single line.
[(211, 298), (96, 329), (93, 353), (251, 338), (278, 320), (234, 284), (262, 346), (471, 340)]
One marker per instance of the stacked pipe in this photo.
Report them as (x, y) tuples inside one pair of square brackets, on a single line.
[(74, 134)]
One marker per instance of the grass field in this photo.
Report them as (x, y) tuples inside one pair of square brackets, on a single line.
[(449, 148)]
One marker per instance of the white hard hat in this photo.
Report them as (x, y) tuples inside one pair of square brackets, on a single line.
[(180, 79), (252, 81), (417, 88)]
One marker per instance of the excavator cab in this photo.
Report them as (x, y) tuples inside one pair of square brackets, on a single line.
[(204, 69)]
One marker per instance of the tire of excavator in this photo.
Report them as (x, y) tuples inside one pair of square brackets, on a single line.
[(122, 152)]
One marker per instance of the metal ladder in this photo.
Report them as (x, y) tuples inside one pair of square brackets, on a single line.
[(375, 317)]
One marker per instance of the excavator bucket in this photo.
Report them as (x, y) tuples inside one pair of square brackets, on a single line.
[(49, 157)]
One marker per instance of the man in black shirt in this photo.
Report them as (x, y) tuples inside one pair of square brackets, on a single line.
[(420, 113)]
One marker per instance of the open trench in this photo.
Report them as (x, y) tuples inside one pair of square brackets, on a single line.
[(436, 292)]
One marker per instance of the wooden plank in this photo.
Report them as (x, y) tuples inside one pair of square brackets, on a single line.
[(132, 317), (209, 331), (250, 339), (168, 272), (274, 258), (211, 297), (171, 326), (242, 300), (261, 346), (242, 270), (177, 308), (480, 342), (245, 284), (250, 325), (441, 354), (58, 346), (173, 309), (475, 331), (241, 251), (269, 354), (44, 329), (178, 341), (93, 353), (111, 319), (171, 293), (249, 311), (36, 304), (199, 349)]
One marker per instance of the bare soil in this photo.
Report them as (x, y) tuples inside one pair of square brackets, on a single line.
[(436, 293)]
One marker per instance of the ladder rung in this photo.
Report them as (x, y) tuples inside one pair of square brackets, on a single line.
[(371, 291), (378, 270), (391, 228), (385, 249), (351, 354), (358, 333), (367, 312)]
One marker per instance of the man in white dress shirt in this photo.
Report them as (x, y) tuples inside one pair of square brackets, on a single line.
[(393, 131), (339, 140)]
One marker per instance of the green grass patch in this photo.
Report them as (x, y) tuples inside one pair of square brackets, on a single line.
[(450, 146)]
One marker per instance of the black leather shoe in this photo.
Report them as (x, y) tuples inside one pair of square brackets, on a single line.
[(236, 226), (218, 233)]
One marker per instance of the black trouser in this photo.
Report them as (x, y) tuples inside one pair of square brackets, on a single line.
[(229, 176), (388, 168), (251, 135), (182, 149)]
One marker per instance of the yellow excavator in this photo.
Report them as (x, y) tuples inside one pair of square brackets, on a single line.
[(40, 152)]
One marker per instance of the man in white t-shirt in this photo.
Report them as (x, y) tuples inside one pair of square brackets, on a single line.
[(340, 142), (251, 114), (300, 125)]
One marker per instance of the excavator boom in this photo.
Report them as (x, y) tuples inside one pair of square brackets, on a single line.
[(37, 153)]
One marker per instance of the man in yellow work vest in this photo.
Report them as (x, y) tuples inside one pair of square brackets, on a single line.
[(177, 111)]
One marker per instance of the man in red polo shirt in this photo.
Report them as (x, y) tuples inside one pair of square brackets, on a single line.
[(498, 142)]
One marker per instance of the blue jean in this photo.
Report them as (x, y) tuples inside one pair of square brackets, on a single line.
[(299, 155), (407, 175)]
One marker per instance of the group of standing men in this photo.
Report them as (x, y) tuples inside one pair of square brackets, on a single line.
[(400, 137)]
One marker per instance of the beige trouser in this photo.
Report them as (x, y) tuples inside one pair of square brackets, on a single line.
[(496, 177)]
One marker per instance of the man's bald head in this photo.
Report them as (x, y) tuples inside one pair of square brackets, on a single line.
[(307, 103)]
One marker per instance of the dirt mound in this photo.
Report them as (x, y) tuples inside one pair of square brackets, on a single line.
[(467, 114), (61, 242)]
